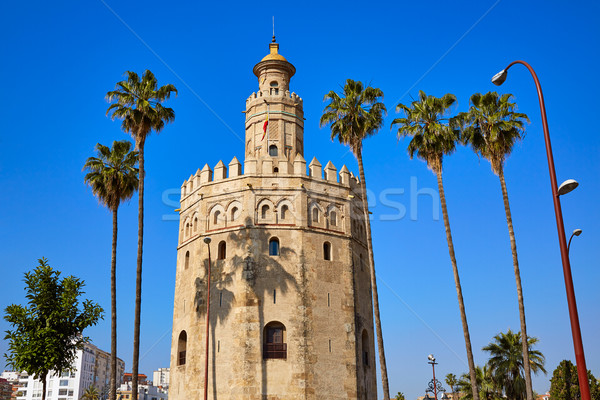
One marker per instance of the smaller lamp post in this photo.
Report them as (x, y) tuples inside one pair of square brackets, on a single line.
[(431, 361), (207, 241)]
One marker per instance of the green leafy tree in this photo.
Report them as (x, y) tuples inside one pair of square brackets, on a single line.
[(113, 177), (506, 362), (90, 393), (354, 115), (138, 103), (48, 331), (451, 381), (492, 127), (433, 137), (400, 396), (564, 384)]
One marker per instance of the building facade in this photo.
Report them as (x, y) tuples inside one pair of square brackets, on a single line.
[(160, 378), (91, 368), (290, 297)]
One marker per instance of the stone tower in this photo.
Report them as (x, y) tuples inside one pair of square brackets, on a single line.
[(290, 299)]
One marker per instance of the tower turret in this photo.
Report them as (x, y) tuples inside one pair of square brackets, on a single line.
[(274, 115)]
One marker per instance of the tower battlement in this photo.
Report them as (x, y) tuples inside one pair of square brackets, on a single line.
[(264, 168)]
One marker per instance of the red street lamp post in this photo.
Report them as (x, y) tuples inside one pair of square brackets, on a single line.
[(565, 188), (431, 361), (207, 241)]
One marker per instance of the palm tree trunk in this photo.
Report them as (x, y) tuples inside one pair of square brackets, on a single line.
[(513, 247), (382, 363), (113, 311), (461, 303), (138, 278)]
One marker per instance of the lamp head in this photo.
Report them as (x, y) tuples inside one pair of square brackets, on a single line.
[(207, 240), (577, 232), (567, 186), (431, 357), (500, 77)]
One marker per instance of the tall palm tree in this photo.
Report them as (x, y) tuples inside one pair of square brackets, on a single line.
[(90, 393), (506, 362), (492, 127), (353, 116), (113, 177), (138, 102), (433, 137)]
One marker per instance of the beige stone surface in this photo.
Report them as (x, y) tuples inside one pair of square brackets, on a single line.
[(325, 305)]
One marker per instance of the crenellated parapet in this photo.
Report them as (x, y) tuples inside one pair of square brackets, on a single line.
[(264, 168)]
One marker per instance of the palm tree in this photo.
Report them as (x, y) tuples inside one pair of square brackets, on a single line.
[(451, 381), (113, 177), (506, 362), (90, 393), (432, 138), (491, 127), (487, 387), (353, 116), (138, 102)]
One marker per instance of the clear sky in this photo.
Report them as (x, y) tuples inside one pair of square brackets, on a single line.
[(60, 58)]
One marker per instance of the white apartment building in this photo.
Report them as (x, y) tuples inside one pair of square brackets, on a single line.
[(92, 367), (145, 392), (160, 378)]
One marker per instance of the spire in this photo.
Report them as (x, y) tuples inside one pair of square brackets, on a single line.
[(273, 29)]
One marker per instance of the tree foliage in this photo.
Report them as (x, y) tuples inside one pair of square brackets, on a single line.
[(451, 381), (112, 174), (506, 362), (48, 331), (90, 393), (400, 396), (564, 384)]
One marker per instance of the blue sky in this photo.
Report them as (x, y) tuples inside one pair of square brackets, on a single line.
[(60, 58)]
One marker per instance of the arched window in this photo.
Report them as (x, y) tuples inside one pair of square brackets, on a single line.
[(327, 251), (187, 260), (332, 218), (273, 150), (222, 250), (275, 170), (234, 213), (274, 246), (315, 214), (181, 348), (195, 224), (187, 229), (216, 217), (264, 211), (275, 339), (365, 348), (284, 211)]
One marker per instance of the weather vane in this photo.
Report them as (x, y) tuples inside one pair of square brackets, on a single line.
[(273, 29)]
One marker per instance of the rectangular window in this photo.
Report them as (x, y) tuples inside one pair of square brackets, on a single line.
[(49, 393), (64, 382), (70, 393), (274, 296), (330, 345), (328, 300), (62, 392)]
